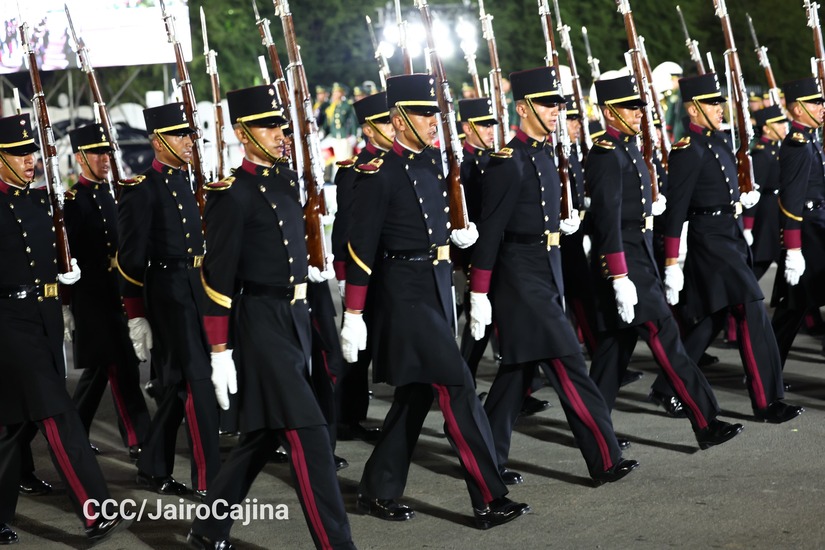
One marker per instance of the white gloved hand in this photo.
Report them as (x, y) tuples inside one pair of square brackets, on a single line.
[(224, 377), (586, 202), (463, 238), (481, 314), (748, 236), (68, 323), (342, 289), (353, 336), (315, 275), (71, 276), (571, 224), (659, 205), (749, 199), (327, 219), (674, 283), (587, 245), (141, 335), (626, 298), (794, 266)]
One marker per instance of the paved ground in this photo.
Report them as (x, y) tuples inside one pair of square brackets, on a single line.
[(764, 489)]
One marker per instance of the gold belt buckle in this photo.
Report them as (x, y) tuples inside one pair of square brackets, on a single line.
[(197, 261), (112, 263), (737, 209), (648, 224), (50, 290), (443, 252), (581, 214), (299, 293), (552, 240)]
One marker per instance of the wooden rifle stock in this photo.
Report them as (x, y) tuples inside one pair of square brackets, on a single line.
[(275, 61), (499, 98), (663, 137)]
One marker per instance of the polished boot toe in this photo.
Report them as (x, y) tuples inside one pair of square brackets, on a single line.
[(510, 477), (624, 444), (671, 404), (30, 485), (387, 509), (104, 528), (205, 543), (778, 412), (717, 432), (163, 485), (631, 376), (498, 512), (617, 472), (355, 430), (7, 536), (279, 456), (340, 463), (532, 406), (95, 450), (707, 360), (134, 452)]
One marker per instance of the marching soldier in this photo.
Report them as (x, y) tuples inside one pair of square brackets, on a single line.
[(101, 336), (517, 261), (628, 287), (34, 387), (159, 258), (798, 285), (718, 279), (352, 387), (400, 226), (256, 272)]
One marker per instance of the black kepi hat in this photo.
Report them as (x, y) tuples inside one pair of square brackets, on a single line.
[(372, 108), (572, 108), (768, 115), (618, 92), (804, 89), (255, 106), (477, 110), (703, 88), (414, 93), (16, 135), (539, 85), (91, 138), (167, 119)]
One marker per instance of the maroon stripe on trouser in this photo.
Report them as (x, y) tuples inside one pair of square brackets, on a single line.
[(324, 355), (581, 319), (65, 464), (305, 487), (750, 359), (197, 444), (131, 436)]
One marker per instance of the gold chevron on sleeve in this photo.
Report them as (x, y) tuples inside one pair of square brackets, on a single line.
[(220, 299), (358, 261), (133, 281), (791, 216)]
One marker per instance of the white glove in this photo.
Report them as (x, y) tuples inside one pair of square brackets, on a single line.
[(626, 298), (353, 336), (659, 205), (71, 276), (315, 275), (327, 219), (748, 236), (674, 283), (342, 289), (463, 238), (749, 199), (141, 335), (586, 202), (481, 314), (224, 377), (794, 266), (587, 245), (571, 224), (68, 323)]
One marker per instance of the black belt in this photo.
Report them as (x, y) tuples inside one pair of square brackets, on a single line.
[(185, 262), (439, 253), (721, 210), (282, 292), (812, 205), (546, 239), (645, 224), (19, 292)]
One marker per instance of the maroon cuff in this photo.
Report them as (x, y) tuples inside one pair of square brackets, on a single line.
[(217, 329), (792, 238), (748, 221), (672, 247), (340, 268), (134, 307), (355, 296), (616, 264), (480, 280)]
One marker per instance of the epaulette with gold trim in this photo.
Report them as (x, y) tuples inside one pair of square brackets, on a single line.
[(70, 194), (347, 163), (605, 144), (759, 146), (503, 153), (798, 138), (221, 185), (683, 143), (371, 167), (131, 182)]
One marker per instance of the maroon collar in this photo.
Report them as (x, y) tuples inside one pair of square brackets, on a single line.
[(796, 125)]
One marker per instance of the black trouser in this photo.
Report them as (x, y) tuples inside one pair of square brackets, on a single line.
[(352, 389), (757, 348), (583, 405), (196, 401), (786, 323), (313, 474), (323, 381), (466, 426), (71, 454), (472, 350), (132, 414)]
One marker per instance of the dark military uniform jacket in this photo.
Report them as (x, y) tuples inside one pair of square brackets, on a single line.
[(255, 278), (101, 336), (31, 363), (472, 169), (763, 219), (161, 249), (517, 256), (400, 226), (802, 207), (575, 267), (703, 189), (621, 200)]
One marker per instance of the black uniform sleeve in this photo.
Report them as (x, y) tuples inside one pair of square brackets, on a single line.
[(134, 221), (684, 166), (604, 175), (224, 232), (795, 166), (368, 211)]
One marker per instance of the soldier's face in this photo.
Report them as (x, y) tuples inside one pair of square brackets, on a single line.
[(424, 125), (776, 130), (574, 128), (181, 145), (814, 116), (95, 166), (633, 117), (22, 165), (540, 120), (715, 112), (271, 138), (482, 140)]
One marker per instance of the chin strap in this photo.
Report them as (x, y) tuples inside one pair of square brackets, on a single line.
[(815, 121), (171, 149), (409, 123), (267, 153), (89, 166), (704, 114), (379, 132), (13, 171), (622, 120), (535, 113), (480, 139)]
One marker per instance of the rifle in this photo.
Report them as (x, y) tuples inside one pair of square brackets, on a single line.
[(469, 49), (402, 39), (585, 142), (102, 111), (280, 81), (497, 95), (563, 139), (190, 107), (310, 163), (380, 58), (451, 144), (214, 79), (595, 72), (663, 143), (813, 21), (744, 130), (648, 129), (54, 186), (762, 54), (692, 45)]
